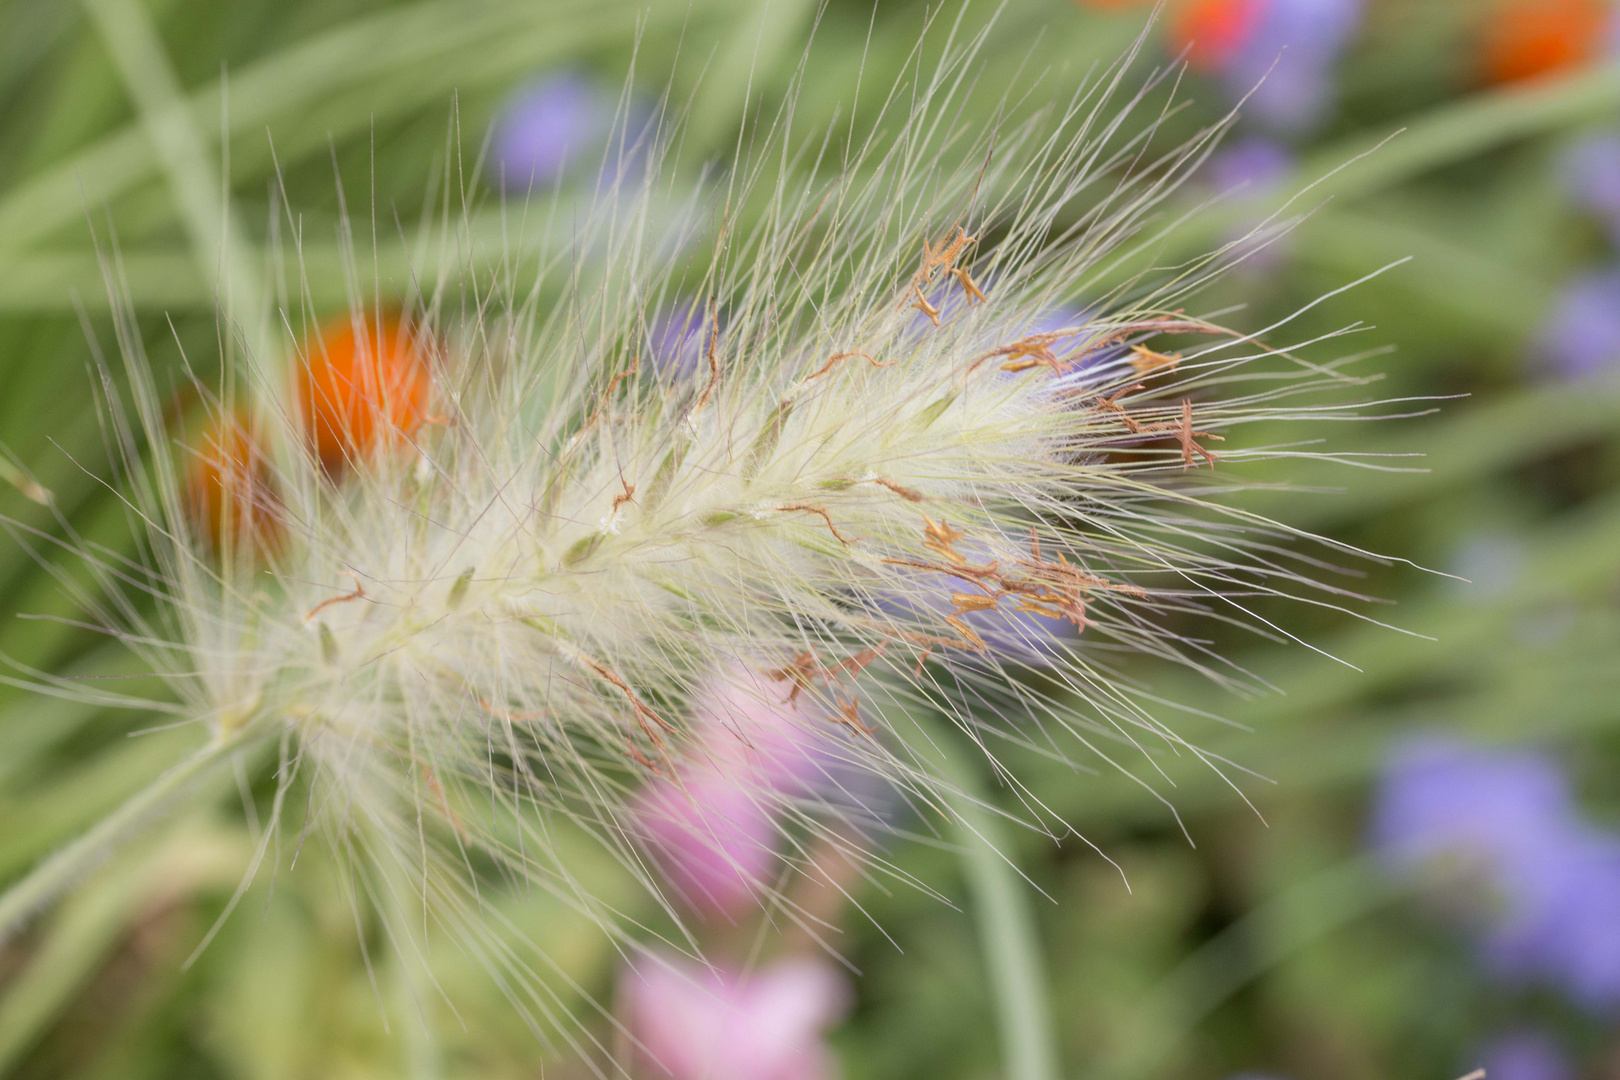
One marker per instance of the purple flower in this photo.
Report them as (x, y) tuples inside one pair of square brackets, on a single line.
[(1247, 172), (1508, 816), (1496, 810), (697, 1022), (1591, 171), (678, 337), (1292, 47), (545, 127), (1582, 336), (1565, 927), (1250, 168), (1525, 1055)]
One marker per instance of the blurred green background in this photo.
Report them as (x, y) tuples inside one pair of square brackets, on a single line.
[(1242, 944)]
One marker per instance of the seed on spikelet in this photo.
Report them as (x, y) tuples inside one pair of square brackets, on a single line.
[(363, 384), (230, 493)]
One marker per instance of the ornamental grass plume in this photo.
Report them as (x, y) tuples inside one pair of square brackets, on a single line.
[(505, 575)]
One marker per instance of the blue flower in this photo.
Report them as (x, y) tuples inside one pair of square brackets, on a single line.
[(545, 127), (1591, 174), (1582, 336), (679, 335), (1509, 818), (1525, 1055)]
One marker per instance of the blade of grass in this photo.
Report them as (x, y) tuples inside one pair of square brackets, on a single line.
[(218, 243), (60, 871), (1261, 940), (1370, 163), (332, 86), (80, 937), (1468, 442)]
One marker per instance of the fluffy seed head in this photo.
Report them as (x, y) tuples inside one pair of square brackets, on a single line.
[(887, 484)]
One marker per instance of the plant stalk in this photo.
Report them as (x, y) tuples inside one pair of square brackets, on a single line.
[(1008, 937), (58, 872)]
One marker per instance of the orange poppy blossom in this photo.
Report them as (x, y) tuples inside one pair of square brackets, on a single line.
[(1524, 39), (229, 489), (1210, 31), (362, 384)]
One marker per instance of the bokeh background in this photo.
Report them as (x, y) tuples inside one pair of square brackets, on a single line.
[(1428, 878)]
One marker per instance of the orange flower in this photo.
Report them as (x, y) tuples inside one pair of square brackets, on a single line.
[(229, 489), (1527, 38), (1211, 31), (358, 391)]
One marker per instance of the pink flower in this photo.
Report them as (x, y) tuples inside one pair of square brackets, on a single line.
[(758, 729), (700, 1023), (711, 827), (711, 837)]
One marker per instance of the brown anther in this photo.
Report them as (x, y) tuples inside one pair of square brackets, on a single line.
[(922, 658), (1035, 350), (939, 536), (436, 789), (901, 490), (1111, 404), (801, 672), (854, 665), (1147, 362), (359, 593), (946, 254), (641, 759), (969, 286), (642, 710), (1189, 438), (838, 358), (849, 714), (628, 494), (811, 508), (607, 394), (714, 363), (925, 307), (966, 631), (966, 602)]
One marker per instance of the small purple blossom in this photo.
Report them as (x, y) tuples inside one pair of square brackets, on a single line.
[(1286, 64), (1591, 173), (699, 1022), (1581, 338), (1247, 172), (545, 127), (1495, 809), (678, 336), (1525, 1055), (1565, 929), (1509, 818), (1249, 168)]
